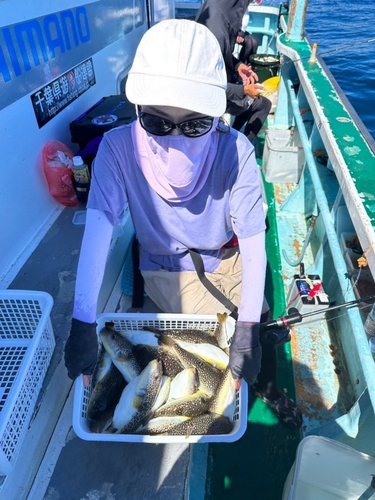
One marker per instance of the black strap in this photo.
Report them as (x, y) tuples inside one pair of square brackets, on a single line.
[(138, 283), (199, 267)]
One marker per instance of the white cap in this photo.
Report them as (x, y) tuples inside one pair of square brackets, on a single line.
[(179, 63), (77, 161)]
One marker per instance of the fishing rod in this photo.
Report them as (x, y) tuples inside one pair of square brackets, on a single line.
[(337, 49), (370, 40), (281, 335), (294, 316)]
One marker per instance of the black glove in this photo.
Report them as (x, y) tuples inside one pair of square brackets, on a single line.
[(275, 335), (245, 352), (81, 349)]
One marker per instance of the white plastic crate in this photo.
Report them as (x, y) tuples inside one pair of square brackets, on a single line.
[(131, 322), (26, 346)]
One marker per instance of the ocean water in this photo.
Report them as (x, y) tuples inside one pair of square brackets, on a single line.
[(342, 31), (349, 26)]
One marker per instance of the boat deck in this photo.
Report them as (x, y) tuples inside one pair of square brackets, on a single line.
[(74, 469), (54, 463)]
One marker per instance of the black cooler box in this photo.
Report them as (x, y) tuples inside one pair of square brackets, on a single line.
[(108, 113)]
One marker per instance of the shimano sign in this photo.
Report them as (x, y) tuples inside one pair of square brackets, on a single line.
[(36, 51), (28, 43)]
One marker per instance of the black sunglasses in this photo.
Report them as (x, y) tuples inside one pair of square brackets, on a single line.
[(160, 126)]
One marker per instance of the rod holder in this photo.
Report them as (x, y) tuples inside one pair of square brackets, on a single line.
[(313, 59)]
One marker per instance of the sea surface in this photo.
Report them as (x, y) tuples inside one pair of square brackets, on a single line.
[(343, 31)]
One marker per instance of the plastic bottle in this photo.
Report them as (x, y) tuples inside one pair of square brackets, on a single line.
[(80, 171), (370, 323), (81, 176), (371, 342)]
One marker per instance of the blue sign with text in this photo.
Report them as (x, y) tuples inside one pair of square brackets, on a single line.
[(54, 97)]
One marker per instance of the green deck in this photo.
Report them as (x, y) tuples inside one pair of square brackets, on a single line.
[(257, 465)]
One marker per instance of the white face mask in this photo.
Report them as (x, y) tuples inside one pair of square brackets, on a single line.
[(179, 158), (175, 166)]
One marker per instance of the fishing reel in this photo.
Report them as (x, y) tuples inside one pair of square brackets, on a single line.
[(274, 336), (275, 332)]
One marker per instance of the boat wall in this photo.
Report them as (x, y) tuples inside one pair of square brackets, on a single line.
[(38, 46)]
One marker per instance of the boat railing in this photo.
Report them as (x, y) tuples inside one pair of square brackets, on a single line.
[(353, 314), (357, 120)]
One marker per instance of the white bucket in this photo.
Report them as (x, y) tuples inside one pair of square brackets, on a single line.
[(325, 469), (283, 156)]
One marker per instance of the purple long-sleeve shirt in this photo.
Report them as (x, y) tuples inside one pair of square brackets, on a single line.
[(230, 201)]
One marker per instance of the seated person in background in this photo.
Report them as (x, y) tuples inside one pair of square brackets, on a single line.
[(224, 19), (246, 44), (249, 45)]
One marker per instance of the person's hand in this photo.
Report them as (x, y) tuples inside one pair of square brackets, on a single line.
[(81, 350), (247, 74), (245, 353), (253, 89)]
